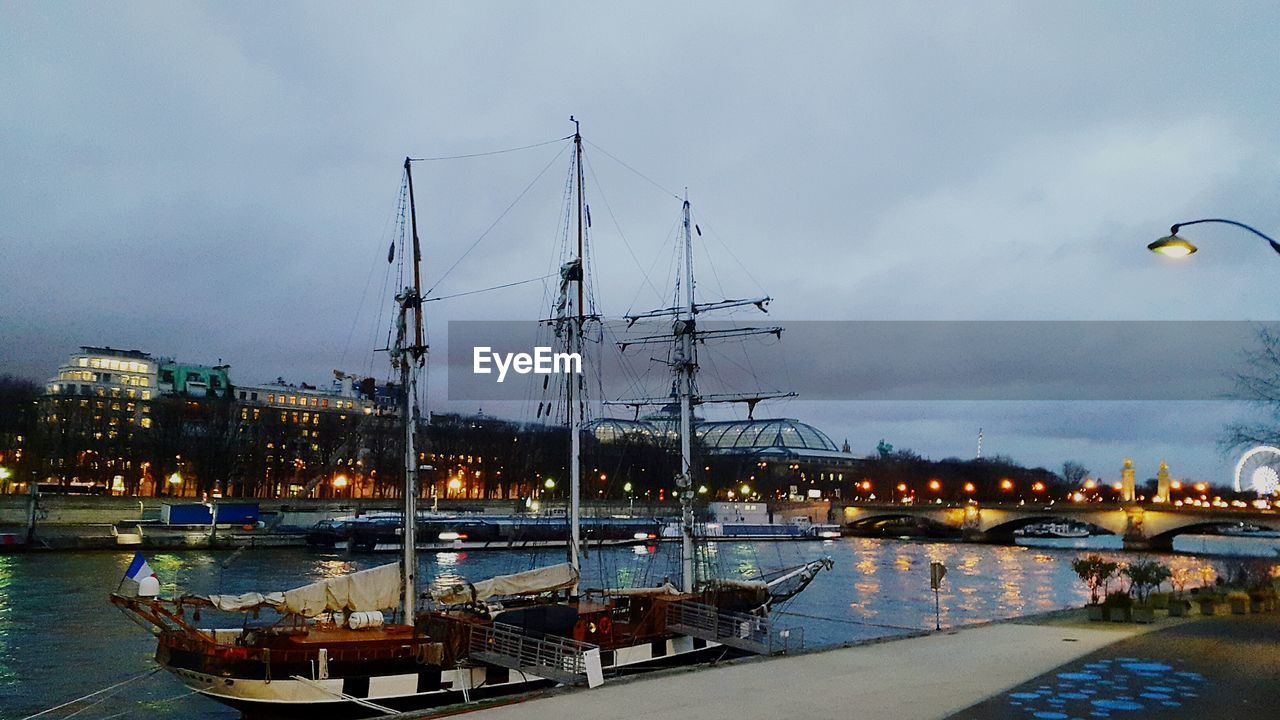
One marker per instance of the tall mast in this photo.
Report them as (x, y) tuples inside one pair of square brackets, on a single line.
[(410, 358), (686, 365), (574, 385)]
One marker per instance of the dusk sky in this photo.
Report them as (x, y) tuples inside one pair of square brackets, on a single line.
[(217, 181)]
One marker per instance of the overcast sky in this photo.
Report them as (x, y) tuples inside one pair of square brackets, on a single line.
[(217, 181)]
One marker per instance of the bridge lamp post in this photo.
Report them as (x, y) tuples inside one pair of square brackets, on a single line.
[(1172, 245)]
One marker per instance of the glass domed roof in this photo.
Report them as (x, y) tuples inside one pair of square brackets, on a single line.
[(761, 434), (612, 430)]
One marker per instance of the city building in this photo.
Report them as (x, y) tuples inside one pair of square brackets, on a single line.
[(193, 380), (94, 415), (773, 458)]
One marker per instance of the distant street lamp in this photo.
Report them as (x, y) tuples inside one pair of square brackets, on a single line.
[(1174, 246)]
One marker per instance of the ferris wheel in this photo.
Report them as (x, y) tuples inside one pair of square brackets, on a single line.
[(1259, 470)]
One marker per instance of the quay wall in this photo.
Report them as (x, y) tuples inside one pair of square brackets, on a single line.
[(81, 522)]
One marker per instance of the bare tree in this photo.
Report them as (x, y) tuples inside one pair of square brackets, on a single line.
[(1074, 473), (1259, 385)]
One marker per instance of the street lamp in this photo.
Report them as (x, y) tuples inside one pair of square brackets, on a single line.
[(1174, 246)]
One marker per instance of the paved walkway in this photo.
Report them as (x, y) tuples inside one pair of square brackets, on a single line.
[(1218, 667), (922, 678)]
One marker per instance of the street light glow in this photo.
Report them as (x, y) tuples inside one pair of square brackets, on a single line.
[(550, 484), (1172, 246), (340, 481)]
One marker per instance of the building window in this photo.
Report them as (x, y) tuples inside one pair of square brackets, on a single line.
[(253, 396)]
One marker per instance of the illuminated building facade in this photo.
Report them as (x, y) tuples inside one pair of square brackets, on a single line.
[(94, 413)]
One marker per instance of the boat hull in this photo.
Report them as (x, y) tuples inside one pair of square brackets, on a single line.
[(430, 688)]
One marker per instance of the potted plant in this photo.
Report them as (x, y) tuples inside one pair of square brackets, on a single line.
[(1094, 572), (1179, 606), (1208, 601), (1239, 601), (1118, 607), (1144, 576)]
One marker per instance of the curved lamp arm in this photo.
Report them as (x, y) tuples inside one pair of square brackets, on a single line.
[(1274, 245)]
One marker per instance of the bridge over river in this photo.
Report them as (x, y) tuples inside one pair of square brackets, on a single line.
[(1143, 526)]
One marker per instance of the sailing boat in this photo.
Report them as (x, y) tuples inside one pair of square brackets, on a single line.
[(640, 628), (333, 652)]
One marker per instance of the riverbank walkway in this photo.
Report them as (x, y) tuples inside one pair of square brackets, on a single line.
[(919, 678), (1215, 667)]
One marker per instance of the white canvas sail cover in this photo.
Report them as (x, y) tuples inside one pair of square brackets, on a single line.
[(530, 582), (373, 589)]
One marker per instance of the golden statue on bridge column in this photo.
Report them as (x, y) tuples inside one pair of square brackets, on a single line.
[(1128, 490), (1163, 483)]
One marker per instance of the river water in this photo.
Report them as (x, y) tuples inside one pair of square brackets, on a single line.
[(60, 638)]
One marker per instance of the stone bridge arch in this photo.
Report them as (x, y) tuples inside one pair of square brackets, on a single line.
[(1000, 523), (952, 517), (1156, 529)]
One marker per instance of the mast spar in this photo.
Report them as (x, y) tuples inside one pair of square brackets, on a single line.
[(686, 365), (410, 358), (574, 382)]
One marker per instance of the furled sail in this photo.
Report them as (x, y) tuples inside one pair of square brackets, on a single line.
[(373, 589), (530, 582)]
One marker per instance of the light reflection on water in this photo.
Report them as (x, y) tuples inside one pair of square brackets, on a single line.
[(59, 638)]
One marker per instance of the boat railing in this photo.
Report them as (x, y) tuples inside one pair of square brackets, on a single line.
[(752, 633), (554, 657)]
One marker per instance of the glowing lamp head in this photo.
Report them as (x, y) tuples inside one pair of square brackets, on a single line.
[(1006, 484), (1172, 246), (175, 479), (969, 488), (626, 487), (455, 484), (1037, 487), (702, 489), (746, 489), (549, 484), (341, 481), (935, 485), (902, 487)]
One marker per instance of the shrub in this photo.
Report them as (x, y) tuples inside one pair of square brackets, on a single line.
[(1094, 572), (1118, 600), (1144, 576)]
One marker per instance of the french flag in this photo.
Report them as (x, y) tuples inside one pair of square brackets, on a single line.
[(139, 569)]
